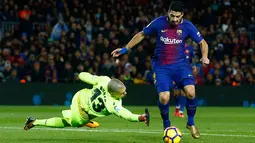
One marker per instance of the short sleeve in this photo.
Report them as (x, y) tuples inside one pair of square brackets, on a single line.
[(150, 28), (194, 33)]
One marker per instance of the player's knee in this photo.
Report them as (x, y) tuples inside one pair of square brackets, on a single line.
[(191, 94), (164, 97)]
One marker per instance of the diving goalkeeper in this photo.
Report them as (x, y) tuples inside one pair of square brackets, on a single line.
[(102, 100)]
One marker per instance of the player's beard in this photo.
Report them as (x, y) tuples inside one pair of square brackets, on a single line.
[(174, 23)]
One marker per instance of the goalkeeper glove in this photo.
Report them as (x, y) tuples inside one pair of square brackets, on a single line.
[(145, 117)]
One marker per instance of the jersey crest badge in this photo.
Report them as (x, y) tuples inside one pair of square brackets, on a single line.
[(116, 108), (179, 32)]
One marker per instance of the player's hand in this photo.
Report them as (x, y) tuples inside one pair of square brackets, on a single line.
[(205, 60), (119, 51), (145, 117)]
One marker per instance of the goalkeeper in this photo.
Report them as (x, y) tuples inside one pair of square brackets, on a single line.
[(102, 100)]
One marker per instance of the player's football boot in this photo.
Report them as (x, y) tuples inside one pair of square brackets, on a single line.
[(181, 115), (29, 123), (92, 124), (194, 131), (176, 113)]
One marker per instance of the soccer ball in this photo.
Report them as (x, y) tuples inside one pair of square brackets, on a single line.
[(172, 135)]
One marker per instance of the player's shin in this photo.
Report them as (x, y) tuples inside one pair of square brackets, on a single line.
[(191, 107), (164, 111), (182, 101), (177, 101), (52, 122), (177, 106)]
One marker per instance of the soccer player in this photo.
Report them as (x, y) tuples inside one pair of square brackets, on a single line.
[(169, 62), (179, 94), (102, 100)]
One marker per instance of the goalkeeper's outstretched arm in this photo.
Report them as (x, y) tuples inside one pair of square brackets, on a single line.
[(126, 114)]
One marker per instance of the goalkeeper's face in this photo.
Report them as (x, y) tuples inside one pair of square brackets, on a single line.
[(175, 17), (122, 92)]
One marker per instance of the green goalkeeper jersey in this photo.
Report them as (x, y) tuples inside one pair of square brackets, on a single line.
[(98, 101)]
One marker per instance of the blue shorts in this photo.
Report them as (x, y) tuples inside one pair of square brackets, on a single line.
[(180, 73)]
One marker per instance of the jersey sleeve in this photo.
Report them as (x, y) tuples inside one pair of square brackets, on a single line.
[(88, 78), (93, 79), (150, 28), (117, 109), (194, 33)]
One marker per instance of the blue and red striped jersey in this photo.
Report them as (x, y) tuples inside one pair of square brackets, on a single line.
[(171, 39)]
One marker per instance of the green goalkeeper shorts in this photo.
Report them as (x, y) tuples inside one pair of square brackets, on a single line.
[(76, 117)]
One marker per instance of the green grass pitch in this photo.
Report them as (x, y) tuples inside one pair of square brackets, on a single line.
[(216, 124)]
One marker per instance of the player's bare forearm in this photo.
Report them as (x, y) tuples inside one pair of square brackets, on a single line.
[(204, 48), (135, 40)]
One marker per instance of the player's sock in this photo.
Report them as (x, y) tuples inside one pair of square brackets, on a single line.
[(52, 122), (177, 101), (177, 106), (191, 107), (164, 111), (182, 100)]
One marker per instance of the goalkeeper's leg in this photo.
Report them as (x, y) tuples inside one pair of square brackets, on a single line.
[(74, 117), (79, 117), (55, 122), (91, 124)]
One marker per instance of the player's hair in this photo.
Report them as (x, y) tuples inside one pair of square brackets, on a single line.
[(176, 6), (114, 86)]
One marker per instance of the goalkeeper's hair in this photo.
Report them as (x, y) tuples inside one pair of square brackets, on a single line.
[(115, 85), (176, 6)]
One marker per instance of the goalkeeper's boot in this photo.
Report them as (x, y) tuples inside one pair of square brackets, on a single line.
[(194, 131), (92, 124), (29, 123)]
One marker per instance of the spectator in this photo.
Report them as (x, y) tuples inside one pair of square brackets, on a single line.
[(37, 74), (35, 52), (67, 74), (57, 29)]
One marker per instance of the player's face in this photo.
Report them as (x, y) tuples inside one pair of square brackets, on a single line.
[(123, 92), (175, 17)]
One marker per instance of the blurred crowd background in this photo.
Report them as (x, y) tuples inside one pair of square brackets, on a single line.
[(54, 40)]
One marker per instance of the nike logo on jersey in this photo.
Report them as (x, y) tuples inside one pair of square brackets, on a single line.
[(198, 34), (163, 31), (189, 74)]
